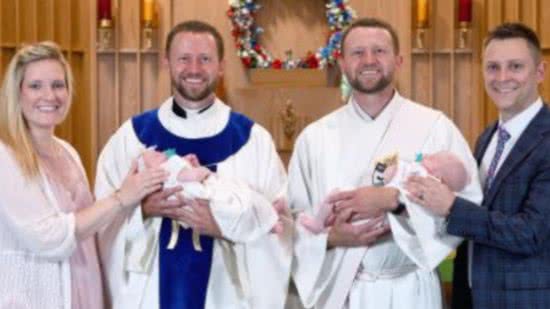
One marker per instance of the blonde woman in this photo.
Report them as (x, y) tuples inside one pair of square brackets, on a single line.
[(48, 219)]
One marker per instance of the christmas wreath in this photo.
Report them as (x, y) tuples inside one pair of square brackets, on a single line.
[(246, 33)]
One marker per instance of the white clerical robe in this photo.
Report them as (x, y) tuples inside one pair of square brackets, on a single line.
[(340, 151), (251, 274)]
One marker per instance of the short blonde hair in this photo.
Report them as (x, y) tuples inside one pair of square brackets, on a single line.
[(14, 131)]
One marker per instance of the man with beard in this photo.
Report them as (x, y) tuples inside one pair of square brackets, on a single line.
[(357, 263), (143, 271)]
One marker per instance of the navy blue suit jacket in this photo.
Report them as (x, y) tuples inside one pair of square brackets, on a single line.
[(511, 229)]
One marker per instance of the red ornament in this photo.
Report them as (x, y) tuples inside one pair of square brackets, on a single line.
[(277, 64), (312, 61), (246, 61)]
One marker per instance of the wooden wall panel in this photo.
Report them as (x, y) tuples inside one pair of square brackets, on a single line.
[(465, 112), (107, 108), (150, 69), (512, 10), (27, 12), (530, 13), (544, 24), (494, 13), (443, 25), (45, 23), (6, 55), (67, 23), (135, 81), (129, 83), (422, 79), (62, 13), (81, 131), (8, 31), (129, 24), (79, 25), (442, 99)]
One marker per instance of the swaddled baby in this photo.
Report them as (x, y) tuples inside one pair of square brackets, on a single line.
[(229, 200), (443, 165)]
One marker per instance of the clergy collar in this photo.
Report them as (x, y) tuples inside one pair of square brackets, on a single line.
[(387, 112), (181, 112), (208, 123)]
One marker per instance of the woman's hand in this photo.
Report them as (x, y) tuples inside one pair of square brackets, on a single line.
[(138, 185)]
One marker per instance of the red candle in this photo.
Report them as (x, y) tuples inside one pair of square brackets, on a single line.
[(104, 9), (465, 10)]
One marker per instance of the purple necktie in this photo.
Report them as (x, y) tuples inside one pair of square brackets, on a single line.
[(502, 138)]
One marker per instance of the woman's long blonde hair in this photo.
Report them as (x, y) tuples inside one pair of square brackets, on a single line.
[(14, 131)]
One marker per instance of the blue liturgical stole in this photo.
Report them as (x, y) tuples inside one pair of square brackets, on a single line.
[(184, 272)]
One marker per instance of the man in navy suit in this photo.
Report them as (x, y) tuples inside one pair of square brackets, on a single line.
[(505, 262)]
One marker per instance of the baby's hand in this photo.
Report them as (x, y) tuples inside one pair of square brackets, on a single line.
[(311, 224), (281, 207), (192, 159), (197, 174), (152, 158)]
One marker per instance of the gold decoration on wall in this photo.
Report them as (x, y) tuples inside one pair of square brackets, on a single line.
[(286, 124), (289, 120)]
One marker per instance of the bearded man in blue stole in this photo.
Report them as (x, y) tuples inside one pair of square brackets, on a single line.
[(242, 266)]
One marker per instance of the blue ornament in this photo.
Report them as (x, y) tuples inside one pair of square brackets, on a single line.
[(325, 52)]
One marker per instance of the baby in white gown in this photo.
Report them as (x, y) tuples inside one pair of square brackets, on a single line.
[(443, 165)]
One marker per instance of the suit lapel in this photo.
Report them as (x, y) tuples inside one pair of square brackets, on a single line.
[(528, 140), (483, 143)]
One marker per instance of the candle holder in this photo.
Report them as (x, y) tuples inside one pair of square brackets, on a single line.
[(105, 34), (421, 37), (422, 9), (463, 35), (149, 35)]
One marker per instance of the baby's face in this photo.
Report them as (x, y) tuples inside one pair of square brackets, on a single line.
[(447, 168), (153, 158)]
